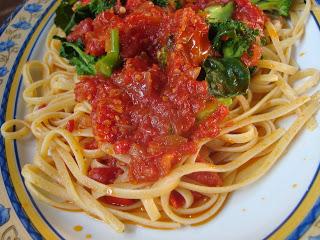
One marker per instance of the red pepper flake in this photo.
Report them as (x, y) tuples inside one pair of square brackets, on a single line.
[(70, 125), (176, 199), (105, 175), (90, 144), (117, 201), (42, 106)]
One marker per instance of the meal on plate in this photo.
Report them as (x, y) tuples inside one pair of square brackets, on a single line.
[(152, 112)]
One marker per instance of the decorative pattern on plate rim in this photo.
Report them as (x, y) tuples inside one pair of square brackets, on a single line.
[(10, 232), (19, 29), (14, 33)]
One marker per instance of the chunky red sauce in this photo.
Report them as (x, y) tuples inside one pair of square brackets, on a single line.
[(145, 109), (250, 14)]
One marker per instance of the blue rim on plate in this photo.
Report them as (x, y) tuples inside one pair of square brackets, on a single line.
[(30, 228)]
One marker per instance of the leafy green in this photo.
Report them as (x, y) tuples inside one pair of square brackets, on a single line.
[(218, 13), (226, 77), (281, 7), (84, 63), (232, 38), (161, 3), (66, 18), (98, 6), (107, 63), (65, 15), (88, 65), (177, 4)]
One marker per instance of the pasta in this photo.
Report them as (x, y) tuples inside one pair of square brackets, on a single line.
[(249, 144)]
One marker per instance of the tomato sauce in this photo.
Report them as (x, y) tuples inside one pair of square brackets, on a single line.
[(250, 14), (145, 109)]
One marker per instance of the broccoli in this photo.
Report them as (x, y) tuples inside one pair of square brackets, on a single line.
[(232, 38), (226, 77), (281, 7), (218, 13)]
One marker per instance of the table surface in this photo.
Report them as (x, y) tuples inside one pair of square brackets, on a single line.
[(6, 7)]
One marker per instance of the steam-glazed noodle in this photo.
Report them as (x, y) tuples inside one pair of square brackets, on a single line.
[(249, 144)]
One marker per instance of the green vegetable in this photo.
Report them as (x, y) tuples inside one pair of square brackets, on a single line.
[(162, 56), (99, 6), (225, 101), (88, 65), (161, 3), (177, 4), (218, 13), (115, 41), (84, 63), (65, 15), (281, 7), (107, 63), (226, 77), (212, 107), (209, 109), (66, 18), (232, 38)]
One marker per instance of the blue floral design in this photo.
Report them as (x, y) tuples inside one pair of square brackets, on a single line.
[(315, 238), (22, 24), (3, 71), (33, 8), (4, 214), (6, 45)]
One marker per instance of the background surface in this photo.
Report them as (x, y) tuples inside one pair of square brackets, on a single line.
[(6, 7)]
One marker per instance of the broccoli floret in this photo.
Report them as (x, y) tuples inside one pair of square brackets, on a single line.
[(226, 77), (218, 13), (281, 7), (232, 38), (161, 3)]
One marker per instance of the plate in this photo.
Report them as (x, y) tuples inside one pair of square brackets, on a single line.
[(284, 204)]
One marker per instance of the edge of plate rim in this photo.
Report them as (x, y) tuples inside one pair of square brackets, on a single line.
[(296, 233)]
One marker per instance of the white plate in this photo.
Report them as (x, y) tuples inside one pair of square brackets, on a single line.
[(284, 204)]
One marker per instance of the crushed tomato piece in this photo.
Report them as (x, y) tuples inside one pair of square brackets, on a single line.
[(122, 202), (176, 199), (250, 14), (105, 175), (252, 60), (209, 179), (70, 126)]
